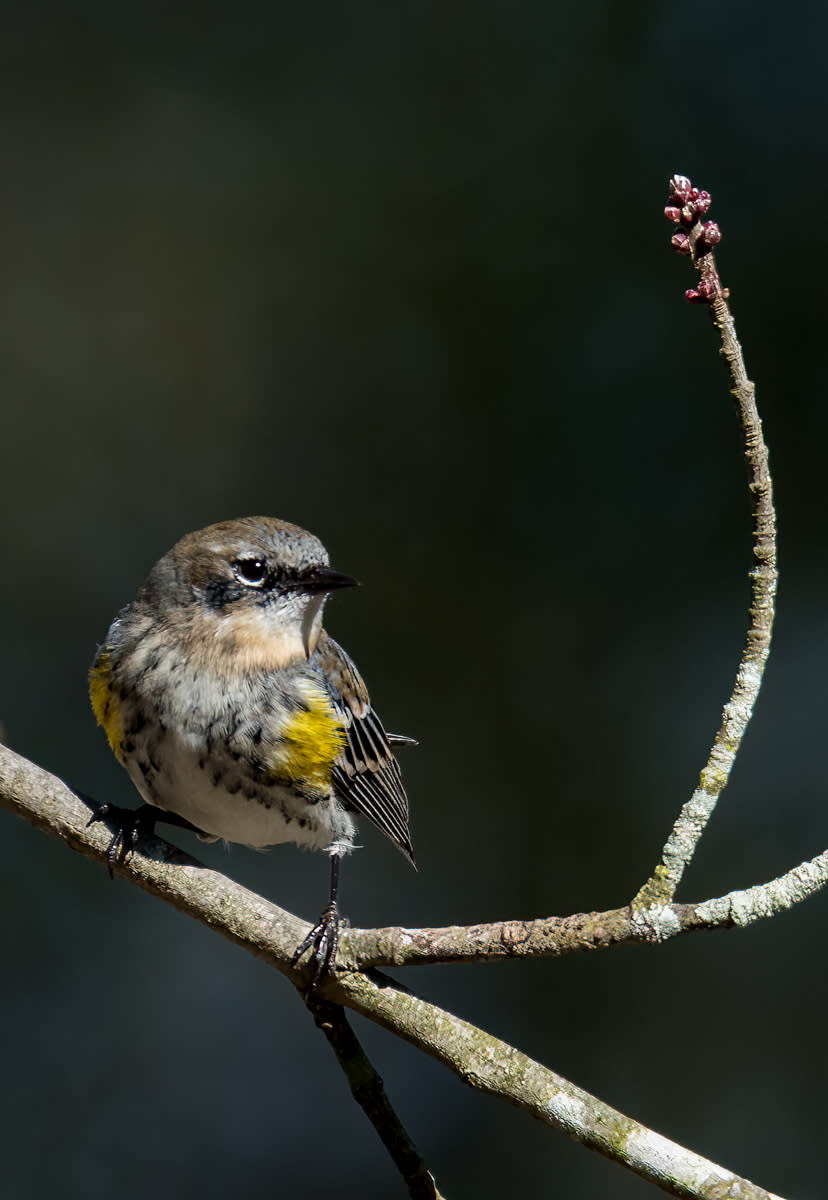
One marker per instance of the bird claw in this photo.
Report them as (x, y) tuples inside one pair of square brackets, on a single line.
[(132, 824), (129, 825), (323, 942)]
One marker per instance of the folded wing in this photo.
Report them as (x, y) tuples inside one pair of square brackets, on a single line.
[(366, 775)]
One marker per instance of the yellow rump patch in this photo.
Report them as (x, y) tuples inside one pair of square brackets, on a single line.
[(105, 704), (309, 743)]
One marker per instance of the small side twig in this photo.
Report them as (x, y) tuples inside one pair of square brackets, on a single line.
[(555, 936), (696, 237), (369, 1092)]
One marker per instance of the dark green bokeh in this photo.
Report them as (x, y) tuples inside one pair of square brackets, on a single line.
[(398, 273)]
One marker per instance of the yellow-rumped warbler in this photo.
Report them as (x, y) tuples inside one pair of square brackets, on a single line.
[(236, 715)]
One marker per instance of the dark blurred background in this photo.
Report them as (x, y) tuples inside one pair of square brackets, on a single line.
[(399, 273)]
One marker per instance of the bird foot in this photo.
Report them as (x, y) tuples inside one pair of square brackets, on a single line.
[(130, 824), (323, 942)]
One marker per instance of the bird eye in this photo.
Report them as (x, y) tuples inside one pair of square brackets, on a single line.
[(251, 571)]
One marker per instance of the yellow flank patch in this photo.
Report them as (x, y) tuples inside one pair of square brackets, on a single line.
[(105, 704), (309, 744)]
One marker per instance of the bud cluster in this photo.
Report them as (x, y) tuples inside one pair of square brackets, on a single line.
[(686, 206)]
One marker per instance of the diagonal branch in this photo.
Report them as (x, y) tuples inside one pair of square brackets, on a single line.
[(368, 1091), (484, 1062), (686, 207), (271, 933)]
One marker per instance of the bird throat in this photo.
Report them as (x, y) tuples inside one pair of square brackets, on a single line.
[(252, 641)]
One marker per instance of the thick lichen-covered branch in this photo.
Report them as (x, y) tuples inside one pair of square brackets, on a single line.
[(494, 1067), (482, 1061)]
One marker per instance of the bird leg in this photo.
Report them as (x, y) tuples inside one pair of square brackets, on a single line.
[(323, 939)]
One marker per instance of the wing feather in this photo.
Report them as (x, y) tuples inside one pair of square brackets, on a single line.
[(366, 775)]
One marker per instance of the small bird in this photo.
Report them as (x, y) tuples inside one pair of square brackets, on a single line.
[(237, 716)]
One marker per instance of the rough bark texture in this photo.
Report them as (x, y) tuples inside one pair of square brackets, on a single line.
[(482, 1061)]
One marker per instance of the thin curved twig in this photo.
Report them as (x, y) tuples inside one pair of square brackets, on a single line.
[(696, 237)]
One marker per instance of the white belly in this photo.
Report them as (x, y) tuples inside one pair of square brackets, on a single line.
[(224, 804)]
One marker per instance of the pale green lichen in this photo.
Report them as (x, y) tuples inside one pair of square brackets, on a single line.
[(656, 891), (713, 781), (621, 1131)]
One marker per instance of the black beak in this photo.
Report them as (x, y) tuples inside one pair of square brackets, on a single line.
[(325, 579)]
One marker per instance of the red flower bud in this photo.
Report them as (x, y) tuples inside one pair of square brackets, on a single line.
[(680, 187), (701, 294), (711, 235), (672, 214)]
